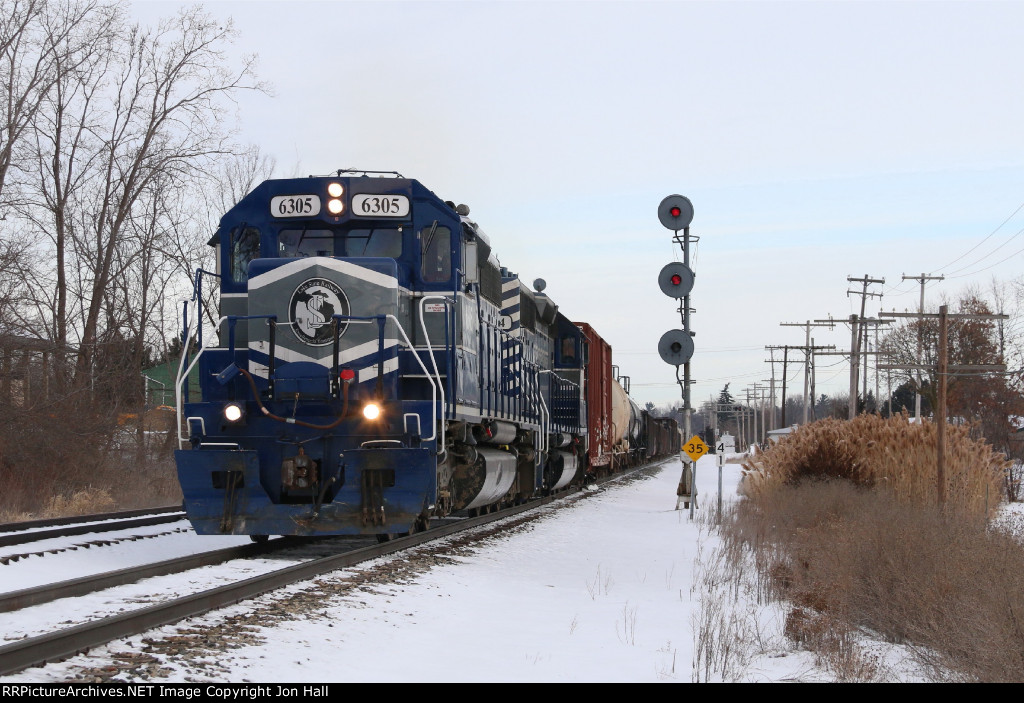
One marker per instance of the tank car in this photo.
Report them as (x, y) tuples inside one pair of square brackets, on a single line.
[(626, 420), (372, 366)]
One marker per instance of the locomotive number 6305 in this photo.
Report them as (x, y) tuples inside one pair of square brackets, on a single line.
[(295, 206), (367, 205)]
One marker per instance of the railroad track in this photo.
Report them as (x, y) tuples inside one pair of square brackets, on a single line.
[(65, 643), (38, 530)]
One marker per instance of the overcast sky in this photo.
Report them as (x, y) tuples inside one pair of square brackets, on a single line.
[(816, 140)]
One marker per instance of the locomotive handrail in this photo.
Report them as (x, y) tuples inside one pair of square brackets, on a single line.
[(183, 376), (430, 350), (350, 319), (546, 423), (426, 373), (433, 387), (233, 321), (197, 300)]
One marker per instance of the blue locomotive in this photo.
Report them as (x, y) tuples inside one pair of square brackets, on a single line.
[(373, 367)]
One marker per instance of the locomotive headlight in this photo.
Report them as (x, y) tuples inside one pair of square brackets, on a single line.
[(233, 412), (335, 190), (371, 411), (335, 207)]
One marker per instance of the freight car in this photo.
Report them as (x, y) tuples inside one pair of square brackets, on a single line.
[(374, 366)]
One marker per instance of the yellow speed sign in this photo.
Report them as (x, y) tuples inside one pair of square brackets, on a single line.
[(695, 448)]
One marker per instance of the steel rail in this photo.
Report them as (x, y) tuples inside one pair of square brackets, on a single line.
[(56, 646), (75, 519), (13, 538), (27, 597)]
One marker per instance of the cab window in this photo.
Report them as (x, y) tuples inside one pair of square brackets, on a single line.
[(568, 351), (436, 253), (381, 242), (386, 242), (245, 246), (297, 243)]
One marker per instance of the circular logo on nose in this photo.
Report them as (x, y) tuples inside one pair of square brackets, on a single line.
[(312, 309)]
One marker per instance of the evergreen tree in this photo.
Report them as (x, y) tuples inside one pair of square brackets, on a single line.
[(725, 397)]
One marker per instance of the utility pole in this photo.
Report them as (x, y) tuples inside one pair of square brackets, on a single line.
[(852, 404), (771, 351), (754, 412), (760, 393), (865, 324), (858, 332), (920, 342), (785, 363), (807, 349), (943, 370)]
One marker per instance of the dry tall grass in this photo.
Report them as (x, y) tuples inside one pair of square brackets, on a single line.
[(892, 453), (874, 552), (851, 559), (74, 463)]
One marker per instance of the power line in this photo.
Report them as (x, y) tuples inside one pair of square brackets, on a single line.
[(991, 234)]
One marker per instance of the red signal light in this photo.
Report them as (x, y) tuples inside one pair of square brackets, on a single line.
[(675, 211), (676, 279)]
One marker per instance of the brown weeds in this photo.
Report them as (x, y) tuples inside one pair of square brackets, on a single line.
[(893, 454), (850, 559), (67, 460)]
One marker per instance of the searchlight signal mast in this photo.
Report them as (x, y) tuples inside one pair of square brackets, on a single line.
[(676, 346)]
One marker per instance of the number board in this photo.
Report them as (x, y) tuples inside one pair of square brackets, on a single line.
[(696, 448), (295, 206), (366, 205)]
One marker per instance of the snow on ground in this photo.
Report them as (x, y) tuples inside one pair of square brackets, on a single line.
[(602, 591), (612, 589), (78, 557)]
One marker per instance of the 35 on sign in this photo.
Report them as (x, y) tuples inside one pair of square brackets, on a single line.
[(695, 448)]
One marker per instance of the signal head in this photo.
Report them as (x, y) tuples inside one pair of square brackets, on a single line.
[(676, 280), (675, 347), (675, 212)]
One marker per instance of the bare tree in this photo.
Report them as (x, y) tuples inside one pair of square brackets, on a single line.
[(39, 42), (65, 150), (112, 136), (163, 127), (25, 73), (989, 399)]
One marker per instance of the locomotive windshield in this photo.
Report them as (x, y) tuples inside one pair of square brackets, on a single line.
[(360, 242), (436, 253), (245, 246)]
